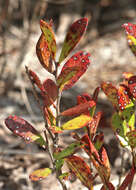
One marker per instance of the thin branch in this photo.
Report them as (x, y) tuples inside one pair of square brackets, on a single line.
[(38, 102)]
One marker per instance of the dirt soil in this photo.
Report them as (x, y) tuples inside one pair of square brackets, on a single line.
[(110, 57)]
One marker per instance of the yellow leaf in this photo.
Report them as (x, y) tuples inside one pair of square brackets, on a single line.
[(77, 122)]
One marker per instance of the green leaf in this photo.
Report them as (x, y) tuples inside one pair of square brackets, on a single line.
[(129, 115), (49, 37), (67, 151), (55, 129), (81, 170), (73, 36), (59, 163), (72, 70), (64, 176), (120, 128), (22, 128), (77, 122), (132, 138), (40, 174)]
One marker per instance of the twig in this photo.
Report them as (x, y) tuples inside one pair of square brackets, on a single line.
[(59, 2), (26, 101), (122, 164), (38, 101)]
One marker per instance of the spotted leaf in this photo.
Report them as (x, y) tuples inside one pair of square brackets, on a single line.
[(77, 122), (73, 36), (43, 53), (49, 37), (124, 97), (132, 85), (94, 123), (71, 149), (73, 69), (128, 179), (40, 174), (50, 92), (81, 170), (111, 93), (22, 128), (130, 29), (79, 109)]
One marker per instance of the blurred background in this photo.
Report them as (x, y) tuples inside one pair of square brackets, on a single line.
[(19, 33)]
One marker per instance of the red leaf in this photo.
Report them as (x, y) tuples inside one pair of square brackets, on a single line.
[(95, 158), (132, 85), (130, 29), (51, 92), (81, 170), (105, 162), (35, 79), (22, 128), (43, 53), (131, 36), (83, 98), (95, 94), (123, 96), (94, 123), (90, 149), (128, 179), (73, 36), (79, 109), (111, 92), (73, 69)]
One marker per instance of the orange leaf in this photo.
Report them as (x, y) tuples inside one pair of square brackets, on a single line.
[(49, 37), (43, 53)]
